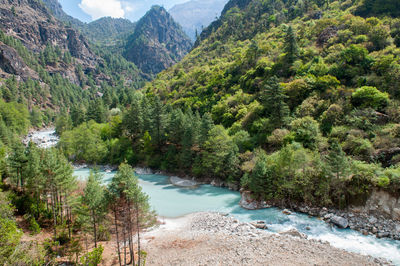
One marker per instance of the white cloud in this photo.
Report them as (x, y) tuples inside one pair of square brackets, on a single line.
[(102, 8)]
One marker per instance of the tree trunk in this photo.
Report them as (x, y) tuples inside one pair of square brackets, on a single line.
[(94, 229), (130, 233), (37, 205), (116, 232), (69, 222), (138, 231), (124, 235), (54, 216)]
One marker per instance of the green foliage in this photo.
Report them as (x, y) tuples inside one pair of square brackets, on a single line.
[(84, 143), (306, 131), (220, 155), (370, 97), (94, 257)]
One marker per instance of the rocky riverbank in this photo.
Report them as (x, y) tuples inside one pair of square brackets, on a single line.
[(217, 239), (363, 222), (44, 138)]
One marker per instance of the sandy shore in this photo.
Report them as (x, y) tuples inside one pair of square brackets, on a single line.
[(215, 239)]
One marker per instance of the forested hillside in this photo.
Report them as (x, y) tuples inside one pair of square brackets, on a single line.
[(306, 92)]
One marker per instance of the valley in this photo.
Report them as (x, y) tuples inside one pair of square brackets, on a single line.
[(242, 132)]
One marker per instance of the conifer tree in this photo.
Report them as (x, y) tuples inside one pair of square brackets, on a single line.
[(274, 103), (337, 160), (94, 199)]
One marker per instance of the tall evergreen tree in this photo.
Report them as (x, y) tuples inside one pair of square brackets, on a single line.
[(94, 199), (273, 99)]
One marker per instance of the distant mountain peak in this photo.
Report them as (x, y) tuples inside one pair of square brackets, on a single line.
[(158, 41), (195, 15)]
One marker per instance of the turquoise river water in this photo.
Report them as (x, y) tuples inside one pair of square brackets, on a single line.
[(170, 201)]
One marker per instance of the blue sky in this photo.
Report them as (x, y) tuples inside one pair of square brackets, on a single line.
[(89, 10)]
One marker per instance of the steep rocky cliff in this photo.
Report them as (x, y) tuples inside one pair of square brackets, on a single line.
[(31, 23), (157, 43)]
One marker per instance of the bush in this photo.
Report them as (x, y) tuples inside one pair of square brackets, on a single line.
[(367, 96), (276, 139), (103, 234), (359, 147), (94, 257), (306, 131), (33, 225)]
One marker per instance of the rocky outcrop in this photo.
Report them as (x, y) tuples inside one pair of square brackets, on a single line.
[(12, 63), (249, 203), (33, 24), (381, 203), (294, 233), (380, 216), (157, 43)]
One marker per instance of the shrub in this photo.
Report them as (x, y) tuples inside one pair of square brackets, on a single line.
[(306, 131), (367, 96), (276, 139), (94, 257)]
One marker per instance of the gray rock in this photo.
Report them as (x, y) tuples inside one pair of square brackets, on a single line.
[(293, 232), (339, 221), (372, 220)]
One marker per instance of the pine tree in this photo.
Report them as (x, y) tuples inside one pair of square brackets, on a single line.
[(158, 122), (94, 199), (130, 206), (273, 99), (290, 46), (35, 180), (291, 51), (337, 160), (133, 118), (206, 125), (17, 162)]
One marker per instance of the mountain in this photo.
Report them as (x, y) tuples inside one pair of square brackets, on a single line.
[(49, 64), (157, 42), (195, 15), (31, 23), (108, 31), (56, 9)]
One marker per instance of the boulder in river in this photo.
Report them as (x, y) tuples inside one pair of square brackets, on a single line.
[(259, 225), (177, 181), (293, 232), (339, 221)]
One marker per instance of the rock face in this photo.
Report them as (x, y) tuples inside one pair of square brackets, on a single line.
[(249, 203), (12, 63), (157, 43), (339, 221), (381, 203), (32, 23)]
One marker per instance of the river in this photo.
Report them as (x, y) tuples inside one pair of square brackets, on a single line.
[(170, 201)]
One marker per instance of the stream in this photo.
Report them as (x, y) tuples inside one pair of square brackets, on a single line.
[(170, 201)]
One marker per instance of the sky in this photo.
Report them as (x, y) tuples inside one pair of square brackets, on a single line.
[(89, 10)]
